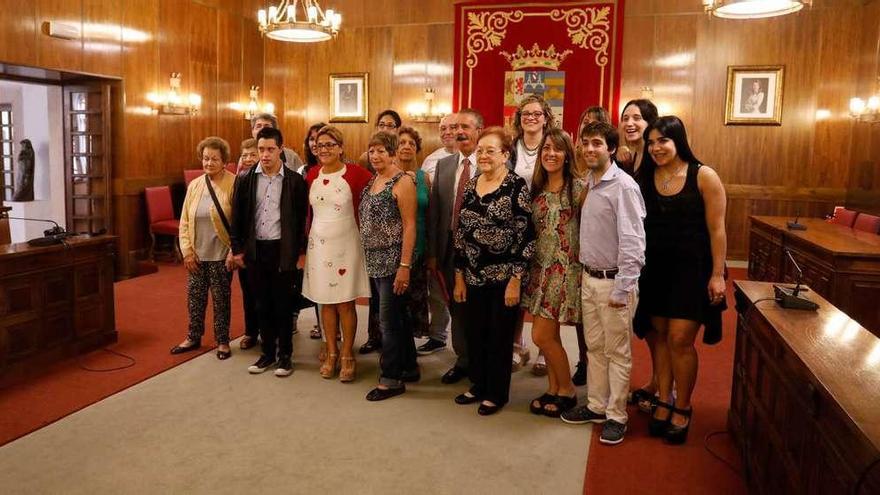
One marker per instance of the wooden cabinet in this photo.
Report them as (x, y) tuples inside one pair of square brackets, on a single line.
[(839, 263), (805, 404), (55, 302)]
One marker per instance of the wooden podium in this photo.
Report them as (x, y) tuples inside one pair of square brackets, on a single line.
[(55, 301), (805, 403)]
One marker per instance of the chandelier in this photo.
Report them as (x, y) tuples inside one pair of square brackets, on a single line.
[(753, 9), (299, 21)]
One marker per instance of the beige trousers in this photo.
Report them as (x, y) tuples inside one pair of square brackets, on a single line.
[(608, 332)]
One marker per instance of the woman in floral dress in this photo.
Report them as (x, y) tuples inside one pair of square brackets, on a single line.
[(552, 295)]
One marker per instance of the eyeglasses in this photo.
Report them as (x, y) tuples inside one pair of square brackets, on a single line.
[(382, 125), (488, 151), (326, 146), (532, 115)]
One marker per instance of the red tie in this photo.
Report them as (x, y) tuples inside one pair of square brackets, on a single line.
[(459, 192)]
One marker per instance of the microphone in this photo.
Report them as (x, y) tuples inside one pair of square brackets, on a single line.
[(790, 298), (795, 225), (55, 235)]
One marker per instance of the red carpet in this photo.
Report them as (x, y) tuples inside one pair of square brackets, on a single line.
[(642, 464), (151, 318)]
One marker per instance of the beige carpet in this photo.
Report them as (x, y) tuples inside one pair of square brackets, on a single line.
[(209, 427)]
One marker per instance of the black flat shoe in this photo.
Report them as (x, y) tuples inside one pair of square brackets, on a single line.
[(487, 410), (222, 355), (677, 435), (181, 349), (537, 405), (658, 427), (454, 375), (370, 346), (378, 394), (466, 398)]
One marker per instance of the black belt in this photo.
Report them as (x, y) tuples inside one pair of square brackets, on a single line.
[(605, 274)]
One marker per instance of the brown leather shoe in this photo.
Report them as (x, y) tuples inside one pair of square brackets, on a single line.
[(247, 342)]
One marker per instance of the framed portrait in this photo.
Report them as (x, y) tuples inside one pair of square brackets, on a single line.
[(754, 95), (349, 97)]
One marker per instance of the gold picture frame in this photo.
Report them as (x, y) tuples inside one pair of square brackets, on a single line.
[(349, 97), (754, 95)]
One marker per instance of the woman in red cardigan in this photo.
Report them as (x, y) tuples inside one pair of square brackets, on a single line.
[(335, 272)]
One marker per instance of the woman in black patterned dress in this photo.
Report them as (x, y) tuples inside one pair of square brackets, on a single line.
[(494, 242)]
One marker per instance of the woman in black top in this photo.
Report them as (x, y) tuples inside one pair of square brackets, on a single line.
[(494, 242), (682, 284)]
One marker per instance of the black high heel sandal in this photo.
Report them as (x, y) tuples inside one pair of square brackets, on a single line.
[(643, 399), (563, 403), (677, 435), (658, 427)]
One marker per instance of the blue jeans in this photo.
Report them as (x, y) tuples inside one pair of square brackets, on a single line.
[(398, 348)]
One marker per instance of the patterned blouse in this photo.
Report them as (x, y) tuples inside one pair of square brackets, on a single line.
[(495, 238), (381, 229)]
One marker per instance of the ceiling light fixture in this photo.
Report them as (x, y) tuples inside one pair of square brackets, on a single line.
[(753, 9), (299, 21)]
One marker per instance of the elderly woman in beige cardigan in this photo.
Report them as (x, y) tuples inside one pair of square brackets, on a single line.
[(204, 243)]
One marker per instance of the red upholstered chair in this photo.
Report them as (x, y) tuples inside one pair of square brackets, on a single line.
[(844, 217), (160, 214), (189, 175), (867, 223)]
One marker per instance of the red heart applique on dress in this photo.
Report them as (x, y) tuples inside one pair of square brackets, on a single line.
[(341, 271), (326, 181)]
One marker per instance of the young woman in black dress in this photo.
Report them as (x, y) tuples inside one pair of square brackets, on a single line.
[(682, 284)]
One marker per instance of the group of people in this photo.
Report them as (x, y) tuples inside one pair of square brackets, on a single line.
[(617, 231)]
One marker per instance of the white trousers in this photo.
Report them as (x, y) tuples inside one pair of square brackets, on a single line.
[(608, 332)]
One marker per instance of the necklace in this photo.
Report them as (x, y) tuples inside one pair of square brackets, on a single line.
[(664, 182), (530, 151)]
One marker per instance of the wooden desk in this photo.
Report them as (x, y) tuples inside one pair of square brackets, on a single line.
[(805, 404), (55, 301), (841, 264)]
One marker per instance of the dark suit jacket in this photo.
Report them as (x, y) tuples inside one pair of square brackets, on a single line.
[(294, 203)]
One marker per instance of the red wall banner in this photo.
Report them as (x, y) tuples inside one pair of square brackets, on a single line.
[(580, 38)]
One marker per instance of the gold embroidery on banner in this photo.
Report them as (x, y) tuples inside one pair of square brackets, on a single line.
[(588, 28), (486, 31)]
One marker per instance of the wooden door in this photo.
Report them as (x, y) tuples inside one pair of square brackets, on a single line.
[(87, 157)]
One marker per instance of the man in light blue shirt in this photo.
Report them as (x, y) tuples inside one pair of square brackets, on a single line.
[(612, 250)]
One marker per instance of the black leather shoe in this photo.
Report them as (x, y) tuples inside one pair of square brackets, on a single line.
[(181, 349), (378, 394), (487, 410), (224, 355), (677, 435), (369, 346), (466, 398), (454, 375)]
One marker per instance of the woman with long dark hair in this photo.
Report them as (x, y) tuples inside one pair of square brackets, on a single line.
[(553, 293), (637, 115), (682, 284)]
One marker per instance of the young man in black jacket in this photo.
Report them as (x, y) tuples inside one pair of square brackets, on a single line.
[(268, 236)]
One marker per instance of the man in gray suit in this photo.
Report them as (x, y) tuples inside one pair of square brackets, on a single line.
[(451, 175)]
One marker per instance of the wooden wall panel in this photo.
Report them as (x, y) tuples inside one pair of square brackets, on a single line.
[(203, 70), (230, 85), (102, 37), (18, 33), (56, 53)]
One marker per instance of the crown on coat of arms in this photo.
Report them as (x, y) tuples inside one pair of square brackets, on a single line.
[(536, 57)]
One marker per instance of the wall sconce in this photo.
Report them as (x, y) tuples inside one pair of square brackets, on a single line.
[(823, 114), (253, 105), (868, 112), (424, 113), (173, 102), (647, 93)]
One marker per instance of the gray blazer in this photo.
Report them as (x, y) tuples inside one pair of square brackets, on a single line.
[(440, 212)]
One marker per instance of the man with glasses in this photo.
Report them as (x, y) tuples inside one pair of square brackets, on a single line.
[(447, 193)]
